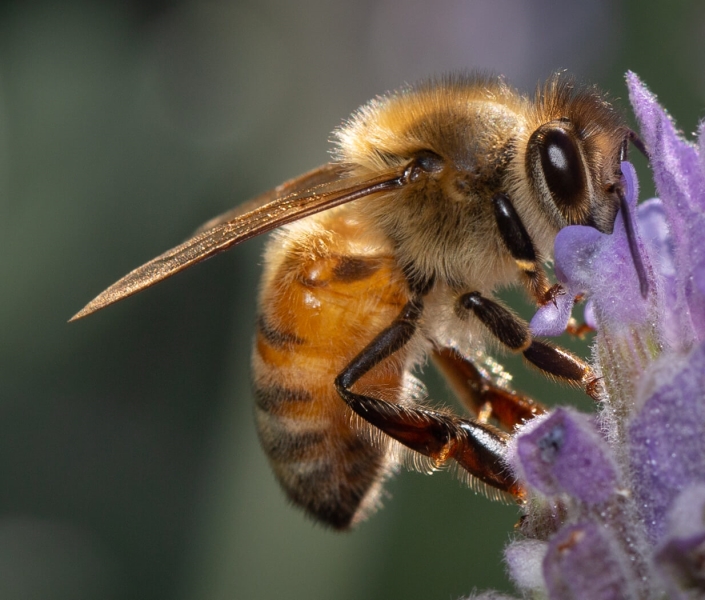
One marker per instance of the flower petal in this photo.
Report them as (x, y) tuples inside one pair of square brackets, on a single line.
[(551, 319), (563, 453), (584, 562), (524, 559), (682, 555), (667, 437), (680, 181), (576, 248), (602, 266)]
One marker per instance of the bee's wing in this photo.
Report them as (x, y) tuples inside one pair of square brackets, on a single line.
[(324, 174), (326, 189)]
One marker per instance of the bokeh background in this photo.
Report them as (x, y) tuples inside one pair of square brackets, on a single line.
[(129, 464)]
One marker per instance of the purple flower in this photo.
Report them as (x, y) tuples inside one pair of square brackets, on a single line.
[(589, 262), (682, 556), (616, 505), (667, 438), (524, 559), (564, 454), (585, 562)]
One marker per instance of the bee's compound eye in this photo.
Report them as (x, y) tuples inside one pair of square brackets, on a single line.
[(562, 166)]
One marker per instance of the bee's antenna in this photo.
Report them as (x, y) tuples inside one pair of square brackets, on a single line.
[(632, 137)]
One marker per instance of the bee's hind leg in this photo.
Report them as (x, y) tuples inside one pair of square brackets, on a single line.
[(478, 447)]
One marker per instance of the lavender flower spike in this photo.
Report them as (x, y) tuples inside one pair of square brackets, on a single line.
[(524, 559), (616, 502)]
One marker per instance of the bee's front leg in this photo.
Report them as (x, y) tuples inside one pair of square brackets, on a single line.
[(519, 244)]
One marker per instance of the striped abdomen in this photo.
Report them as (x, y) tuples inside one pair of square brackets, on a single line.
[(327, 291)]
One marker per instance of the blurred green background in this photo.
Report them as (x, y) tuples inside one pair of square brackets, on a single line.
[(129, 464)]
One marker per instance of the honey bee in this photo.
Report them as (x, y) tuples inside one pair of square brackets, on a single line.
[(438, 196)]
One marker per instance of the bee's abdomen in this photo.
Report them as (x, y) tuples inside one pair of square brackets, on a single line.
[(319, 307), (321, 463)]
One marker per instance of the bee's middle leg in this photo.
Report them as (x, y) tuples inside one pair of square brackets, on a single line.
[(514, 334), (481, 395)]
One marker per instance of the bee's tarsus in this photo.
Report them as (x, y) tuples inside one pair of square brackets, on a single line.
[(558, 362)]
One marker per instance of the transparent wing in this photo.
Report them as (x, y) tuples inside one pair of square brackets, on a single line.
[(273, 209)]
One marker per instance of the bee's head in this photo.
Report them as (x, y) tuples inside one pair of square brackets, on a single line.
[(573, 155)]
